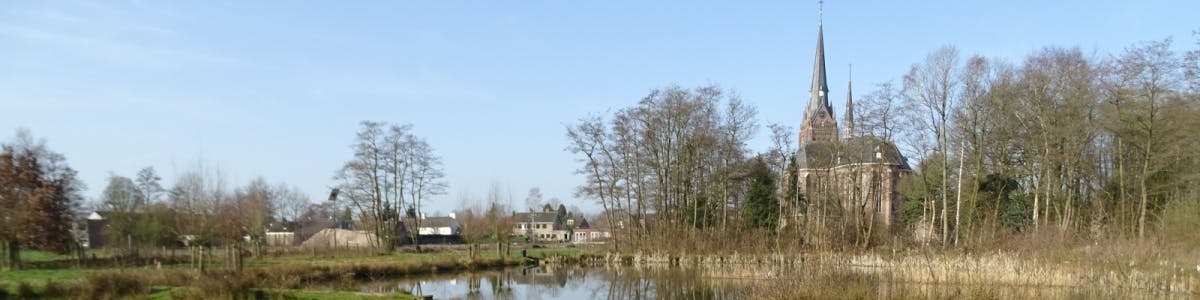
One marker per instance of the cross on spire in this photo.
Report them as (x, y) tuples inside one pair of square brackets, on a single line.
[(820, 12)]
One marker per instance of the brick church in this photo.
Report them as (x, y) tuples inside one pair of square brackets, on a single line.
[(861, 172)]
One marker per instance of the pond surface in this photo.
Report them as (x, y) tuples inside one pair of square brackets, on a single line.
[(550, 282), (569, 282)]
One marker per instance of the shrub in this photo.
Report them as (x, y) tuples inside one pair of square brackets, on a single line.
[(1179, 222), (56, 289), (25, 291), (111, 285), (226, 286)]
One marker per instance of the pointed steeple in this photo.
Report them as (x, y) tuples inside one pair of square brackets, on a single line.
[(848, 121), (819, 123), (818, 99)]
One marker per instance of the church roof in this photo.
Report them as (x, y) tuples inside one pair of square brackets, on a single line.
[(856, 150)]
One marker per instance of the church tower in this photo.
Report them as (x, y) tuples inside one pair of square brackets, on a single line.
[(818, 123)]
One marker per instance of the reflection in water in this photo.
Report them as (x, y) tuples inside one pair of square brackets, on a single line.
[(568, 282), (558, 282)]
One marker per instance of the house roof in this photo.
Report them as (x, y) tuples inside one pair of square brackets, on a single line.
[(580, 222), (439, 222), (536, 217)]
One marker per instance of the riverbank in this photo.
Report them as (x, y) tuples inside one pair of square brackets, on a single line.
[(341, 275), (333, 275)]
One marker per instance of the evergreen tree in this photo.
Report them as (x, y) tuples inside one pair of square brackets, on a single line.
[(762, 206)]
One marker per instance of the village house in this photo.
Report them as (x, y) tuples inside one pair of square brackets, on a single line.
[(443, 226), (280, 234), (540, 226), (596, 232)]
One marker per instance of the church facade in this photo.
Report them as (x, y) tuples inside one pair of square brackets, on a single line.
[(841, 169)]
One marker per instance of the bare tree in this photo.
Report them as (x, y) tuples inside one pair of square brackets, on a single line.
[(930, 89), (256, 204), (498, 219), (1154, 74), (391, 168), (878, 112), (198, 197), (120, 200), (424, 178), (473, 223), (149, 186), (674, 161), (290, 202), (533, 201)]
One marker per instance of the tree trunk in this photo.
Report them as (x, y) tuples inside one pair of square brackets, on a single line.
[(14, 255), (945, 185), (958, 188), (1145, 194)]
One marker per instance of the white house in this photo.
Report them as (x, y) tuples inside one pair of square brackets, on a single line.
[(439, 225)]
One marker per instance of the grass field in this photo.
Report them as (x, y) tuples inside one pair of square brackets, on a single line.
[(41, 256)]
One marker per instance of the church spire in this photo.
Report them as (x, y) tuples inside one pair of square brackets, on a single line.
[(848, 121), (819, 123), (819, 100)]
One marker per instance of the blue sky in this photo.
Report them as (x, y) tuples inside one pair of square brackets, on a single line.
[(276, 89)]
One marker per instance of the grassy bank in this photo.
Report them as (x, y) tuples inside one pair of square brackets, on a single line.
[(290, 275)]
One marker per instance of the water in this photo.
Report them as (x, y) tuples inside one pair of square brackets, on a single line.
[(569, 282), (551, 282)]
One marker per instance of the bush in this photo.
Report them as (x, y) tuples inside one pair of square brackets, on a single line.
[(1179, 222), (112, 285), (56, 289), (25, 291)]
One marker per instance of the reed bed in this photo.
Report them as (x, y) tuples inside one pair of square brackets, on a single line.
[(1003, 269)]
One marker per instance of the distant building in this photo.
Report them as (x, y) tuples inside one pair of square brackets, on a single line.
[(598, 231), (95, 230), (439, 225), (540, 226), (281, 234)]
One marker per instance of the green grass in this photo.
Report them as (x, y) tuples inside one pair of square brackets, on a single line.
[(41, 256), (38, 276)]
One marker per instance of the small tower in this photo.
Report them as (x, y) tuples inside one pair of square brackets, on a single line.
[(848, 121)]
